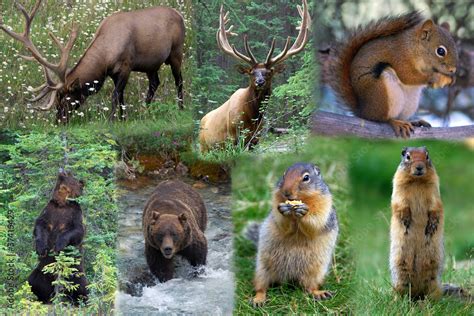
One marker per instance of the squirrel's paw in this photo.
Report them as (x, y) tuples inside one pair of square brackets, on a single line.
[(420, 123), (432, 225), (301, 210), (285, 209), (402, 128), (321, 295), (259, 299)]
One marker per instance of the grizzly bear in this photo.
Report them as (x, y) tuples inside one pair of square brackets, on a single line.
[(58, 226), (174, 220)]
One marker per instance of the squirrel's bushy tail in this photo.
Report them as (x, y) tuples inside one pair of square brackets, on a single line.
[(346, 51), (456, 291), (251, 232)]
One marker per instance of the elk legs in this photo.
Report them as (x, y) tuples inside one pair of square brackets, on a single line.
[(154, 82), (175, 64), (120, 81)]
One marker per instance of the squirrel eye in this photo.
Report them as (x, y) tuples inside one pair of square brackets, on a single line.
[(306, 178), (441, 51), (407, 156)]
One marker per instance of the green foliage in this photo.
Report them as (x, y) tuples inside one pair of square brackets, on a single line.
[(64, 267), (27, 176)]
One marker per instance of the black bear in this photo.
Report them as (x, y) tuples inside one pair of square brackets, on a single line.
[(174, 220), (58, 226)]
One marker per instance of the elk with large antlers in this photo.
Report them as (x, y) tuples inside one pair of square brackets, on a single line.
[(242, 112), (139, 40)]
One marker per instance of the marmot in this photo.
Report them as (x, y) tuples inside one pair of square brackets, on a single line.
[(297, 239), (416, 232)]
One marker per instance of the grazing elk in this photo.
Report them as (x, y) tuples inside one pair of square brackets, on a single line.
[(242, 111), (139, 40)]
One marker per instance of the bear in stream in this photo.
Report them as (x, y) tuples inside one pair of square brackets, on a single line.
[(174, 220), (58, 226)]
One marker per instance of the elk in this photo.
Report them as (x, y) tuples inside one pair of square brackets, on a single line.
[(242, 112), (139, 41)]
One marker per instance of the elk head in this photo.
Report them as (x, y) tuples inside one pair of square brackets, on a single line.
[(56, 90), (261, 74)]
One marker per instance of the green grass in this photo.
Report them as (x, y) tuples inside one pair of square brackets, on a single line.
[(253, 181), (371, 168)]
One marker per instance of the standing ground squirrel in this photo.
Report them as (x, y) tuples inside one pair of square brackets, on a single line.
[(297, 239), (416, 233)]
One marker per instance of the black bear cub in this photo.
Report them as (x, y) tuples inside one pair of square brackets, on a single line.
[(174, 220), (58, 226)]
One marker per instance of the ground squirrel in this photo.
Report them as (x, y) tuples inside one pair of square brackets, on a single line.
[(416, 233), (297, 239)]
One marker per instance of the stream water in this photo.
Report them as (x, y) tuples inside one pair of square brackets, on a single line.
[(210, 291)]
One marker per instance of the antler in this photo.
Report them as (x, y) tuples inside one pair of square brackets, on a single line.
[(59, 69), (223, 42), (299, 43)]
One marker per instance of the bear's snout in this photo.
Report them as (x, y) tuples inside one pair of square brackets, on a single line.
[(167, 247)]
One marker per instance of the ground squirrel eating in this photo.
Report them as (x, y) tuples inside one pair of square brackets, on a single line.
[(297, 240)]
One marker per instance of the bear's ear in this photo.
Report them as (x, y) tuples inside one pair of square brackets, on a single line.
[(154, 217), (61, 174), (183, 218)]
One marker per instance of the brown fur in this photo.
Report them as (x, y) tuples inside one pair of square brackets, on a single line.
[(297, 246), (382, 68), (58, 226), (174, 221), (416, 255)]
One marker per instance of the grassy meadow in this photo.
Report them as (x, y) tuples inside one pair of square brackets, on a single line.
[(371, 168), (29, 164), (253, 180)]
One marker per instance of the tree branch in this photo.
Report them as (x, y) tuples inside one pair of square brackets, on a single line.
[(332, 124)]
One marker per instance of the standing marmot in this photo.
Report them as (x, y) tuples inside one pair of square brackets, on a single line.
[(174, 220), (416, 233), (297, 239)]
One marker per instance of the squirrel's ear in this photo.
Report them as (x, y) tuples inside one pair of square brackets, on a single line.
[(445, 25), (426, 29), (316, 170), (404, 151)]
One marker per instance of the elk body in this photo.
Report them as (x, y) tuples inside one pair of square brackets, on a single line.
[(242, 112), (139, 40)]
